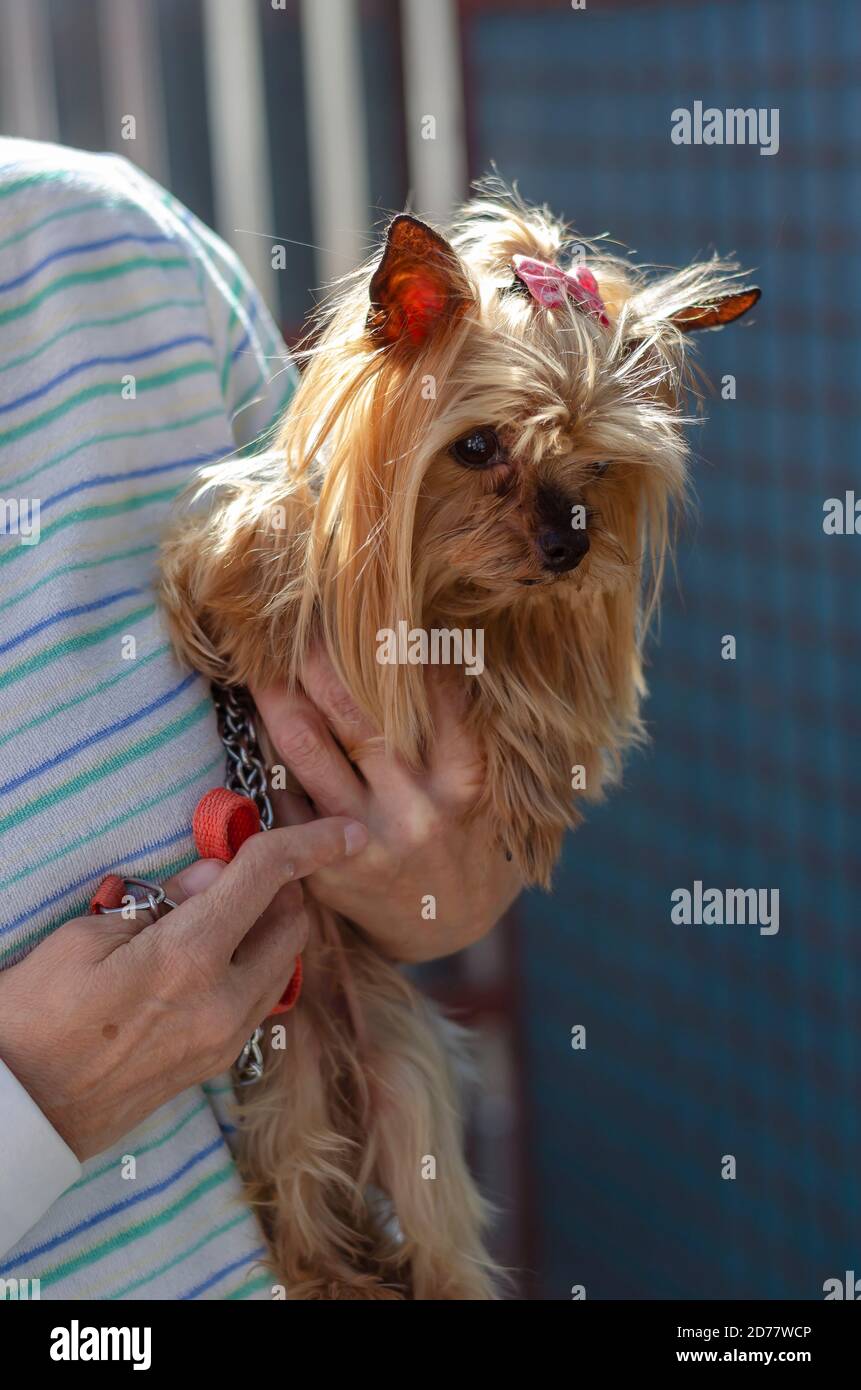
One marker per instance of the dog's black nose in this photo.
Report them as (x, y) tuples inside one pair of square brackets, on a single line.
[(560, 550), (560, 545)]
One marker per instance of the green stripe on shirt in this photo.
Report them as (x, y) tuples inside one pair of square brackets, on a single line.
[(82, 780)]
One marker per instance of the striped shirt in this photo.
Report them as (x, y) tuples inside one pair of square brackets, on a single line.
[(133, 349)]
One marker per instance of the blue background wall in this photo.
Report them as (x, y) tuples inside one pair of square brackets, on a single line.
[(708, 1040)]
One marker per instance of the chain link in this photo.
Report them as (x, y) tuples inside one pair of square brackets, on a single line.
[(246, 774), (246, 770)]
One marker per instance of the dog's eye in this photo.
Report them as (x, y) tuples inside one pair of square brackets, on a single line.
[(599, 469), (478, 449)]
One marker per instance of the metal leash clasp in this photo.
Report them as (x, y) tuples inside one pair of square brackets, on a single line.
[(249, 1063), (156, 901)]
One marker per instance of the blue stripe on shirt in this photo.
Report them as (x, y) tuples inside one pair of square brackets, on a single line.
[(121, 359), (79, 250), (258, 1253), (66, 613), (98, 1216), (93, 878), (102, 479), (97, 736)]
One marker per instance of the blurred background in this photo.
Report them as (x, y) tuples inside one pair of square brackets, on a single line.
[(302, 124)]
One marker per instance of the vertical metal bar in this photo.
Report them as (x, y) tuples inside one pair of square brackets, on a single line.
[(28, 106), (239, 140), (131, 74), (336, 133), (433, 93)]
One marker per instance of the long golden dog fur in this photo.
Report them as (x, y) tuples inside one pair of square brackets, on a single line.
[(359, 517)]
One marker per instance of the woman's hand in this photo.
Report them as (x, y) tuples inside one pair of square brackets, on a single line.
[(109, 1018), (421, 845)]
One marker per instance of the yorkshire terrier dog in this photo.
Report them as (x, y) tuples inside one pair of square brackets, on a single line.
[(487, 435)]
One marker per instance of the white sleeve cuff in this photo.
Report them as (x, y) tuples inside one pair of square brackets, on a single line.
[(36, 1165)]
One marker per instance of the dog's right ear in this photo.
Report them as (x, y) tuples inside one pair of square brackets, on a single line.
[(419, 287), (716, 312)]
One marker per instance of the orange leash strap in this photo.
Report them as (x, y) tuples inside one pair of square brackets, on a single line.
[(222, 822), (108, 894)]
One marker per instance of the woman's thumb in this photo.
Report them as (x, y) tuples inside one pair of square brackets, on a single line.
[(193, 880)]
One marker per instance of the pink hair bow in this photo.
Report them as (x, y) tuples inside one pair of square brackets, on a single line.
[(550, 286)]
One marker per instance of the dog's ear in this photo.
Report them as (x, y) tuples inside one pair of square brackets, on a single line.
[(419, 286), (716, 312)]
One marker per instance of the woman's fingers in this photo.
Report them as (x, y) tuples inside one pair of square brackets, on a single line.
[(266, 958), (351, 726), (124, 926), (226, 911), (290, 808), (387, 776), (304, 744), (456, 769), (194, 879)]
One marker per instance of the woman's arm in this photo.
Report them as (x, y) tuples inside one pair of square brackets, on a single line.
[(36, 1164)]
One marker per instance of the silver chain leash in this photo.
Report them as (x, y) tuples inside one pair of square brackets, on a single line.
[(246, 774)]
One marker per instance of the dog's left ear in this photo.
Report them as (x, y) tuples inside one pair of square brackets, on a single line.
[(717, 312), (419, 286)]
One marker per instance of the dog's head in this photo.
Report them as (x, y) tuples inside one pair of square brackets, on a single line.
[(511, 418), (533, 401), (488, 433), (501, 412)]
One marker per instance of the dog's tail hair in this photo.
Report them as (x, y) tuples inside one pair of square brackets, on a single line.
[(352, 1143)]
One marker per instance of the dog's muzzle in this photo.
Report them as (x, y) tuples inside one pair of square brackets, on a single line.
[(560, 551)]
